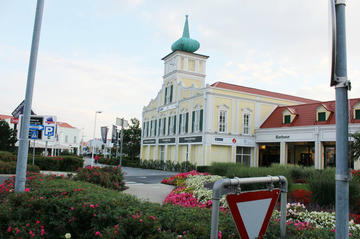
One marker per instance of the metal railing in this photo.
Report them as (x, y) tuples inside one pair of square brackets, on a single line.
[(222, 184)]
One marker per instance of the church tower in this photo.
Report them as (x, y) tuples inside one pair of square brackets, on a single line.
[(184, 66)]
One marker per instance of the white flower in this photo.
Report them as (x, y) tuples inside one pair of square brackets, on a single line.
[(67, 235)]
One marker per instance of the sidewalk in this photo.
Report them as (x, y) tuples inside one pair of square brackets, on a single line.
[(155, 193)]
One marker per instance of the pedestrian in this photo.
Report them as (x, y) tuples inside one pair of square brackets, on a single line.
[(96, 159)]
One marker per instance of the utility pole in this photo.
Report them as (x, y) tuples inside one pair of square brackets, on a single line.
[(342, 85), (22, 156), (121, 139)]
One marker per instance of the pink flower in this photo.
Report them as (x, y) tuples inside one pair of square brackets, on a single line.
[(92, 206), (27, 189), (9, 229), (42, 232), (140, 220), (37, 222), (219, 234), (98, 234), (72, 208)]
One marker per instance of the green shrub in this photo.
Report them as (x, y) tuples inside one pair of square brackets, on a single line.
[(322, 185), (108, 177), (203, 169), (10, 167), (61, 163), (7, 156)]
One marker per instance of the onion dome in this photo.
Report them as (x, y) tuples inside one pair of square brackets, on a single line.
[(185, 43)]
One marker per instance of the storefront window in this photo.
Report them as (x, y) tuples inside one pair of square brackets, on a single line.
[(243, 155), (330, 159)]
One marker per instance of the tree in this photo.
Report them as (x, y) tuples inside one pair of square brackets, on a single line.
[(132, 139), (7, 137), (355, 146)]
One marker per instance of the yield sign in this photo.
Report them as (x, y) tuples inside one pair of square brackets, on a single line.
[(252, 211)]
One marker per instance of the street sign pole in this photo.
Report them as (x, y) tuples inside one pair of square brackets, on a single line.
[(121, 139), (33, 157), (23, 140), (342, 85)]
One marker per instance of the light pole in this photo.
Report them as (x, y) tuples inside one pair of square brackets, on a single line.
[(93, 144), (21, 164)]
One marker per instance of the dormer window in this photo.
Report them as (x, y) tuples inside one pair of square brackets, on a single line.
[(287, 119), (321, 116), (357, 113)]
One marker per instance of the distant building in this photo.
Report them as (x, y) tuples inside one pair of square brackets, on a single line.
[(100, 147), (68, 137)]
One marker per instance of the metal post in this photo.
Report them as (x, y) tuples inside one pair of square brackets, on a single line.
[(24, 132), (341, 112), (223, 183), (33, 157), (93, 144), (121, 139)]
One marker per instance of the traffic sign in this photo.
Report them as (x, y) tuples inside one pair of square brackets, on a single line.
[(49, 130), (34, 134), (36, 127), (252, 211)]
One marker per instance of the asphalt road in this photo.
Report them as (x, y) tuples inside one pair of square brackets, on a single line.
[(134, 176)]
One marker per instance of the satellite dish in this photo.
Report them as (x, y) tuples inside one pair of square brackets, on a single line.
[(332, 26)]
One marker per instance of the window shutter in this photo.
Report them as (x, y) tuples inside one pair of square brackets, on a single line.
[(143, 130), (164, 125), (180, 118), (155, 121), (158, 133), (171, 93), (174, 127), (169, 119), (147, 129), (201, 120), (193, 122), (165, 95), (186, 122)]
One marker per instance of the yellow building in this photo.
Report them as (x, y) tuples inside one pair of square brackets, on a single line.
[(189, 120)]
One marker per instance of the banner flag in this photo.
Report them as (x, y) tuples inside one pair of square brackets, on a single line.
[(104, 131), (114, 135)]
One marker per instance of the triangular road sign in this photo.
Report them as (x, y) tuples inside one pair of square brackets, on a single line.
[(252, 211)]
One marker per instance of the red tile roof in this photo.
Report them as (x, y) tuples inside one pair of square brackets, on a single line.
[(306, 115), (64, 125), (228, 86), (4, 117)]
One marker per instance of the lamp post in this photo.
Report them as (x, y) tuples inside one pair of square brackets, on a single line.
[(93, 144)]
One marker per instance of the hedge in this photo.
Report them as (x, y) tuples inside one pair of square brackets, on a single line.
[(61, 163), (10, 167), (53, 207)]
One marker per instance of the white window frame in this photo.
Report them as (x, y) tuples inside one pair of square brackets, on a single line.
[(162, 125), (171, 125), (242, 154), (197, 121), (246, 123), (183, 123), (162, 152), (153, 123), (222, 121)]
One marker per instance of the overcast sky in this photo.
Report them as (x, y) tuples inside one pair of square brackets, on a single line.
[(106, 54)]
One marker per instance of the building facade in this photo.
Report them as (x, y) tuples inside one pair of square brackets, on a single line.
[(304, 134), (192, 121)]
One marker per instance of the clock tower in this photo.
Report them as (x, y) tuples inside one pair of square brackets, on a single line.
[(184, 66)]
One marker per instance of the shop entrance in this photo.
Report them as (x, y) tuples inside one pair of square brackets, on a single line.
[(269, 153), (301, 153)]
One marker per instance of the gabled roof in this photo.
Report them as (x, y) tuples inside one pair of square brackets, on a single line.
[(64, 125), (4, 117), (249, 90), (306, 115)]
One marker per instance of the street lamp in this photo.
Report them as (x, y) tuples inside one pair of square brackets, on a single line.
[(93, 144)]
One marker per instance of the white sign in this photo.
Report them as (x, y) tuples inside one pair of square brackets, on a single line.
[(169, 107)]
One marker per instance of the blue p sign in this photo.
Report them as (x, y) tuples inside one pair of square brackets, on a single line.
[(49, 130)]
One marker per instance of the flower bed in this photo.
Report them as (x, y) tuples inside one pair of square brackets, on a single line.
[(190, 192), (10, 167), (108, 177)]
